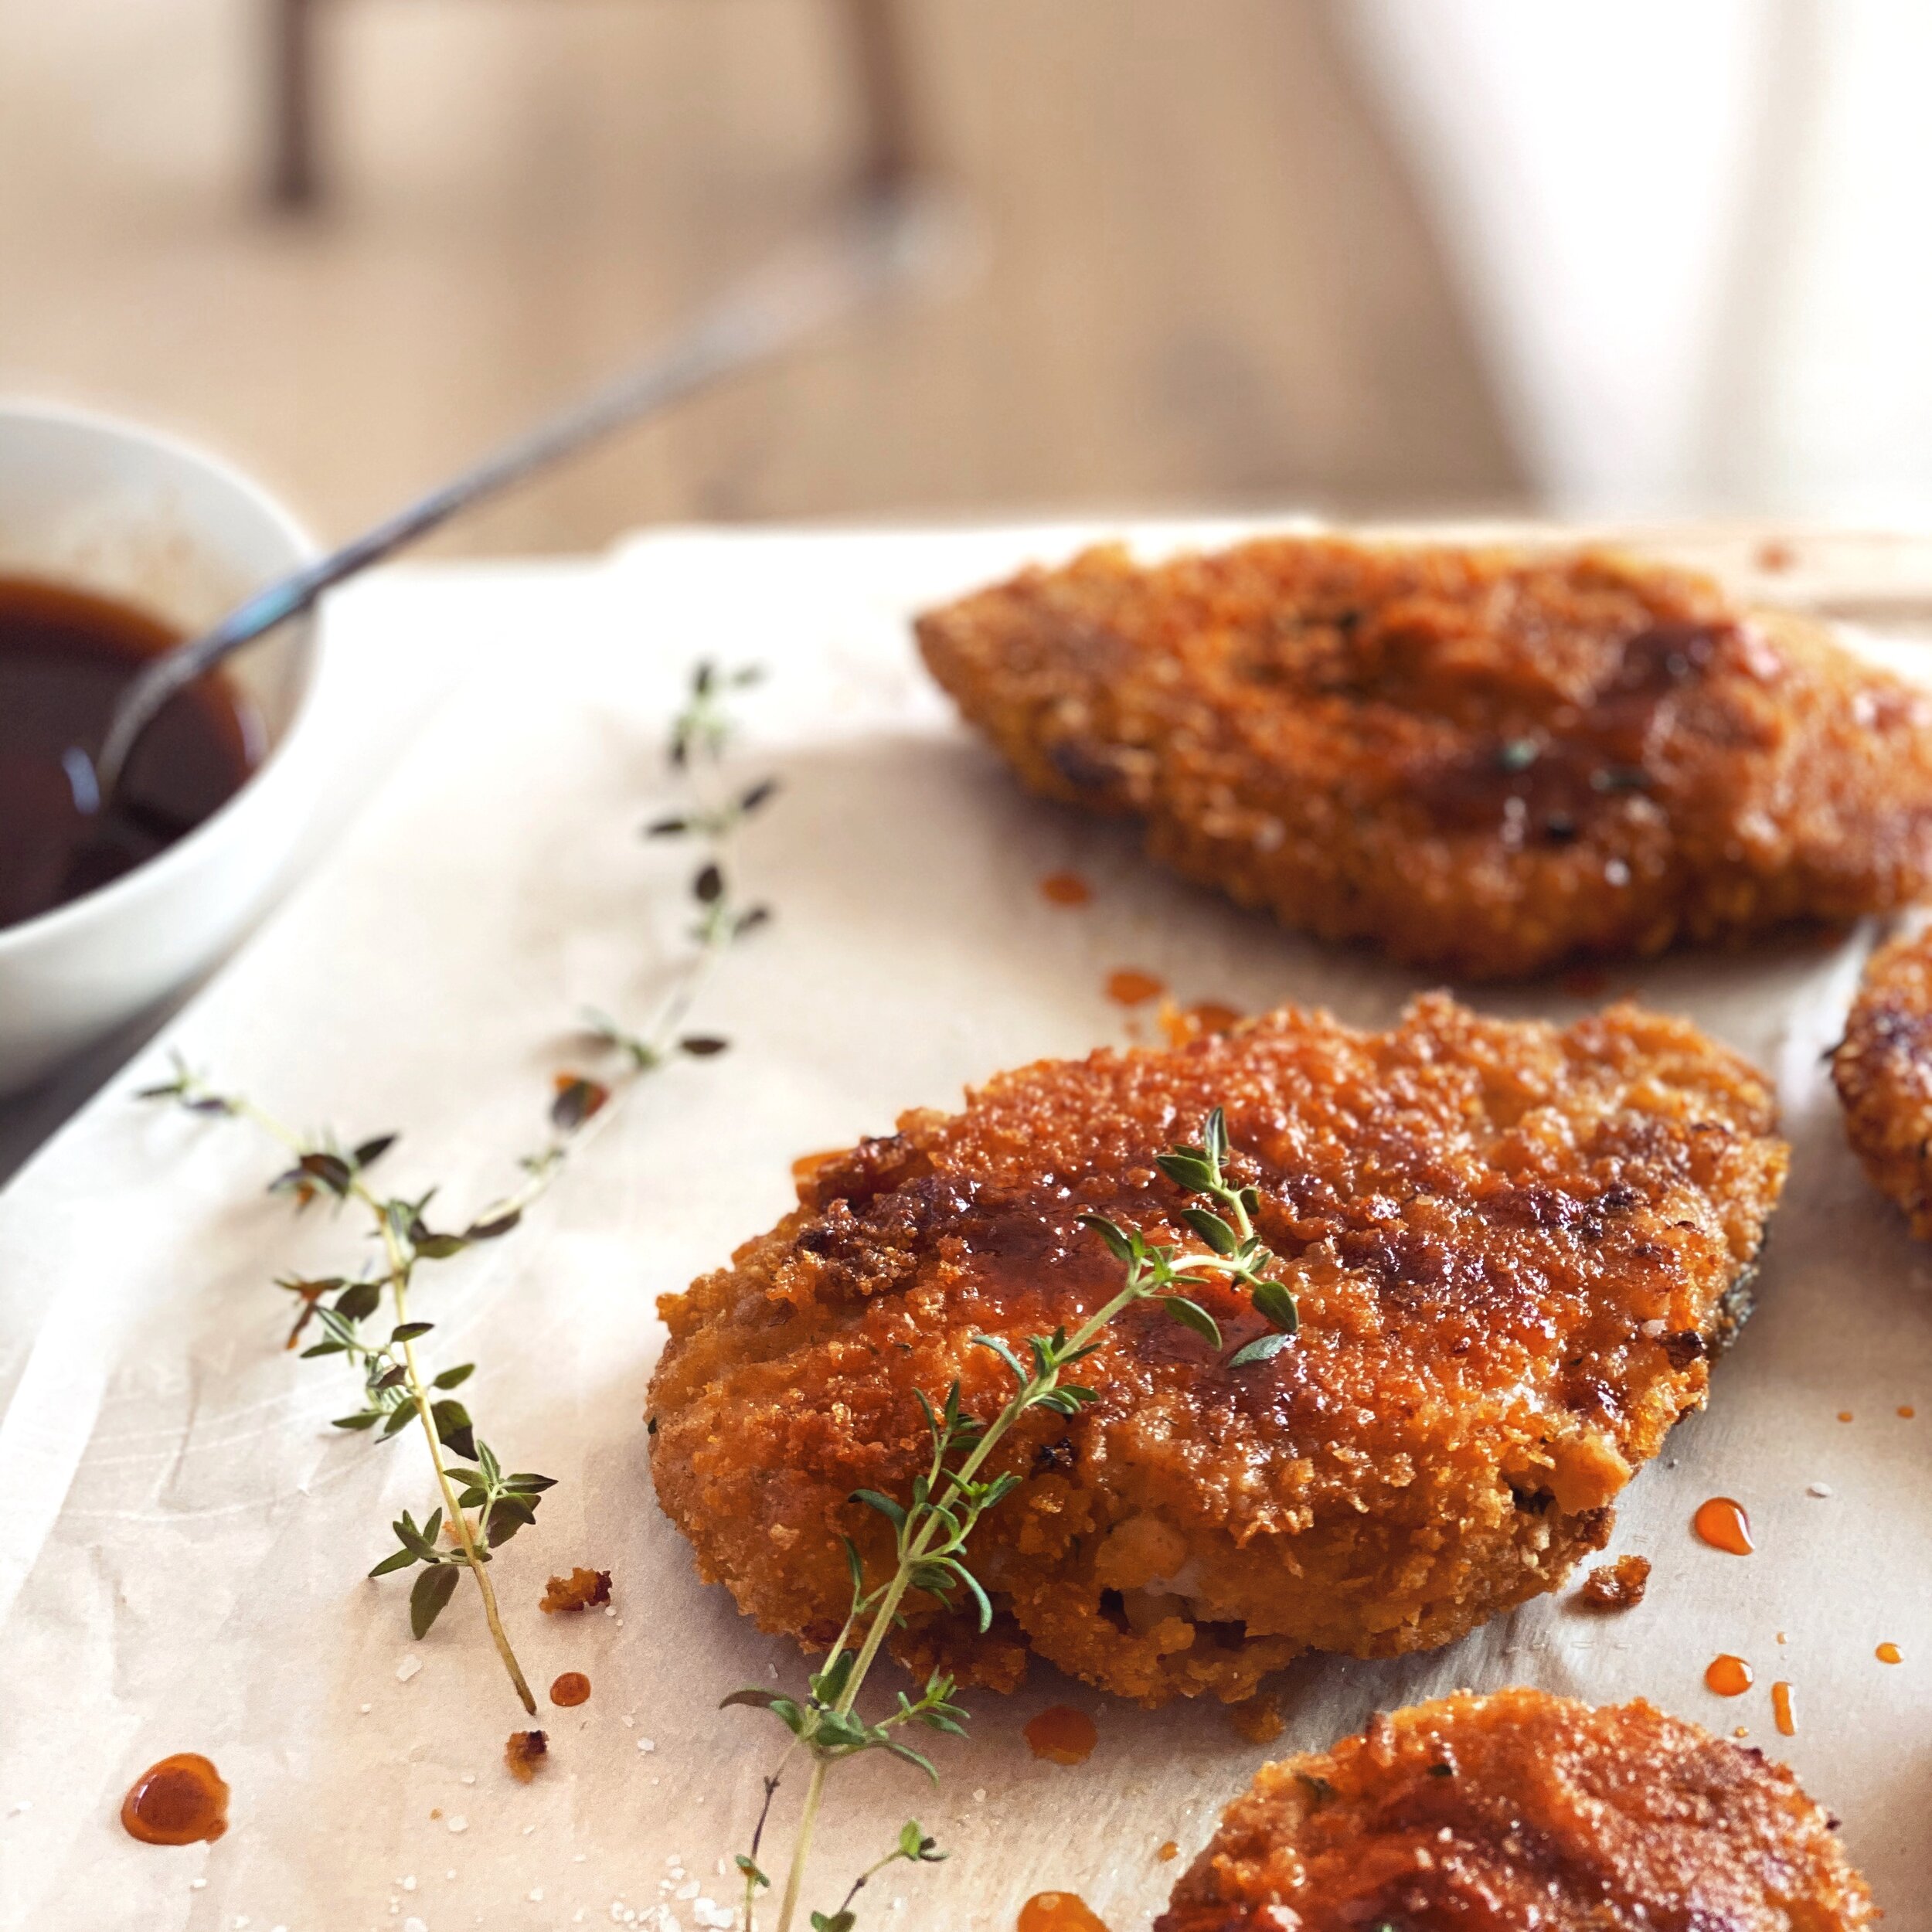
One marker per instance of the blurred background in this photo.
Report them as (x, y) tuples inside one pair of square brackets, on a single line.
[(1367, 255)]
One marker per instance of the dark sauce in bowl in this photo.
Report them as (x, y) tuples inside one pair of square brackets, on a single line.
[(65, 657)]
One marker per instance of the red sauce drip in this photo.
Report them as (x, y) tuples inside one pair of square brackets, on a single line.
[(1781, 1709), (1130, 987), (1723, 1525), (1729, 1676), (1063, 1736), (1058, 1912), (572, 1687), (1065, 888), (180, 1800)]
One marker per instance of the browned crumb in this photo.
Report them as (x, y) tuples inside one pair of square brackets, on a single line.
[(579, 1590), (1618, 1585), (1520, 1809), (1516, 1250), (1882, 1070), (1257, 1719), (1489, 763), (524, 1754)]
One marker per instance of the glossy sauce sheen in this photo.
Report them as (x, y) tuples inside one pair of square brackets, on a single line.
[(1781, 1709), (1058, 1912), (1723, 1525), (1063, 1736), (65, 657), (1729, 1676), (180, 1800)]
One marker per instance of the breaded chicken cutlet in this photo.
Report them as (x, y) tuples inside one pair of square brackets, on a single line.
[(1882, 1070), (1515, 1251), (1492, 1814), (1487, 763)]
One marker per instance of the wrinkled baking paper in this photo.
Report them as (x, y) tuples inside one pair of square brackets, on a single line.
[(184, 1539)]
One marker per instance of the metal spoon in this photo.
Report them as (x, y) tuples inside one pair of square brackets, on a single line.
[(887, 241)]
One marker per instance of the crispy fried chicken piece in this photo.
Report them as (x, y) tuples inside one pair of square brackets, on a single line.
[(1882, 1070), (1486, 762), (1491, 1814), (1514, 1250)]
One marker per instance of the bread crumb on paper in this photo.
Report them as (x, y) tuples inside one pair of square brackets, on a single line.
[(579, 1590)]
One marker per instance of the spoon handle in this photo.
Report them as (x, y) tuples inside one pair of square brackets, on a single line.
[(884, 243)]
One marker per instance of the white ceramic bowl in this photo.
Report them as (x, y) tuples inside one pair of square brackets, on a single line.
[(108, 507)]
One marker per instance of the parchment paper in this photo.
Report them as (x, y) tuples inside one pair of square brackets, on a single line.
[(183, 1538)]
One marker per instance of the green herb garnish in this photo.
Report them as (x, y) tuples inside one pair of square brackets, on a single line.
[(482, 1505), (932, 1527)]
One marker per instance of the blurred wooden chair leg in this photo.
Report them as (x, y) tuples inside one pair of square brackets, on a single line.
[(876, 49), (293, 179)]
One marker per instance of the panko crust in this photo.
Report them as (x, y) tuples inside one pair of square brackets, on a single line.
[(1485, 762), (1882, 1070), (1514, 1249), (1550, 1813)]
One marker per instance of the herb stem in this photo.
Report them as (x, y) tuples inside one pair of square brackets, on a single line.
[(459, 1517), (807, 1818), (886, 1613), (398, 1280)]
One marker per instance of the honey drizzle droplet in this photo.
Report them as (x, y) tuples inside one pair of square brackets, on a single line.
[(1168, 1852), (180, 1801), (1889, 1654), (1723, 1525), (1845, 1415), (1065, 888), (1781, 1709), (1058, 1912), (1906, 1410), (571, 1689), (1062, 1735), (1729, 1676)]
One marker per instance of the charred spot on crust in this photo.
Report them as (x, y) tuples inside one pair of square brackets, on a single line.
[(1684, 1348)]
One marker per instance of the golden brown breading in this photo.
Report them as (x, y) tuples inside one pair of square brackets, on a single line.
[(1882, 1070), (1492, 1814), (1486, 762), (1617, 1585), (1513, 1248)]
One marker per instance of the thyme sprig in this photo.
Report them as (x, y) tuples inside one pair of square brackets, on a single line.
[(482, 1505), (932, 1528), (396, 1390)]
